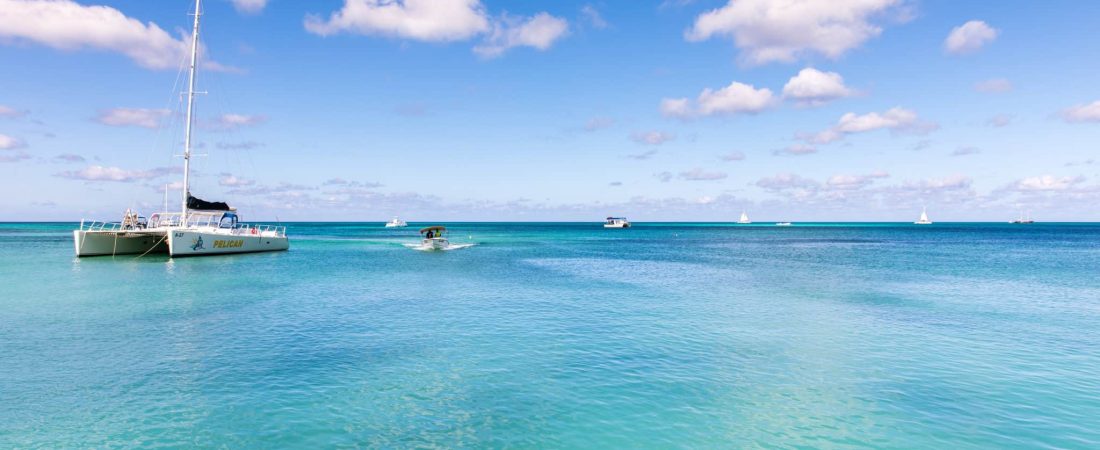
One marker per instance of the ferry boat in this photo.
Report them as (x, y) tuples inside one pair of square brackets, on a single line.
[(396, 223), (616, 222), (923, 218), (199, 228)]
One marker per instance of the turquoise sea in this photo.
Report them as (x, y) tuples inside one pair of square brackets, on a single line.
[(561, 335)]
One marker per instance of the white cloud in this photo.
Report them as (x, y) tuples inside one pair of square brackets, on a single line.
[(786, 30), (795, 150), (652, 137), (134, 117), (733, 156), (786, 181), (540, 32), (67, 25), (1083, 113), (964, 151), (999, 120), (969, 37), (812, 87), (1047, 183), (700, 174), (230, 180), (8, 112), (643, 155), (896, 119), (948, 183), (993, 86), (249, 6), (227, 122), (665, 177), (101, 173), (10, 143), (853, 182), (733, 99), (598, 123), (422, 20), (592, 15), (14, 157)]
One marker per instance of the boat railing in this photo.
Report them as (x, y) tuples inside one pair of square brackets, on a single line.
[(244, 229), (96, 225)]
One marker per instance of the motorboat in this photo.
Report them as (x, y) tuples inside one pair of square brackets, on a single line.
[(434, 238), (396, 223), (198, 228), (782, 224), (616, 222), (923, 218)]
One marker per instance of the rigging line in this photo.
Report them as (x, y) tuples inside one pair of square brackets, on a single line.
[(154, 245)]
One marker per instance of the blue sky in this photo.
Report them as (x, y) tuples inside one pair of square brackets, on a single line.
[(565, 110)]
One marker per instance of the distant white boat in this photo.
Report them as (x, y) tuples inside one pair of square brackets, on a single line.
[(782, 224), (396, 223), (744, 218), (1023, 219), (616, 222), (923, 218)]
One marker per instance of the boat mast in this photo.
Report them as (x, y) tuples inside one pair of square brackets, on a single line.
[(190, 112)]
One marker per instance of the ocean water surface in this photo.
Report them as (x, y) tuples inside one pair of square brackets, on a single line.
[(561, 335)]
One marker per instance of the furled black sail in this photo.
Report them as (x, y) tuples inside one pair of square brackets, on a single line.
[(198, 203)]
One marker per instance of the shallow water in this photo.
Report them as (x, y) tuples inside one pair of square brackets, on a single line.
[(561, 336)]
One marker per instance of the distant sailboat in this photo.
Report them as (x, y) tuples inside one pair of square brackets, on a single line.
[(744, 218), (923, 218)]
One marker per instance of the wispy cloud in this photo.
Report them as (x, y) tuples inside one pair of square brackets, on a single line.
[(539, 32), (10, 143), (243, 145), (249, 6), (133, 117), (593, 17), (230, 122), (795, 150), (230, 180), (733, 156), (700, 174), (964, 151), (969, 37), (115, 174), (1000, 120), (652, 137), (643, 155), (1082, 113), (7, 112), (70, 158), (598, 123), (993, 86), (895, 119)]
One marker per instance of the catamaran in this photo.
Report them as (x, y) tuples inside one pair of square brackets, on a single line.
[(200, 228), (744, 218), (396, 223), (923, 218)]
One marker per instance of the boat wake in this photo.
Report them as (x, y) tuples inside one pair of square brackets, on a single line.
[(429, 248)]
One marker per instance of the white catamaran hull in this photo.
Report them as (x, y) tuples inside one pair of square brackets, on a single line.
[(99, 243), (174, 242), (195, 243)]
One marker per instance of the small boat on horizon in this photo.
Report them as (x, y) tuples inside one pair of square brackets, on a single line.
[(396, 223), (1023, 220), (744, 218), (923, 218), (782, 224), (616, 222)]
